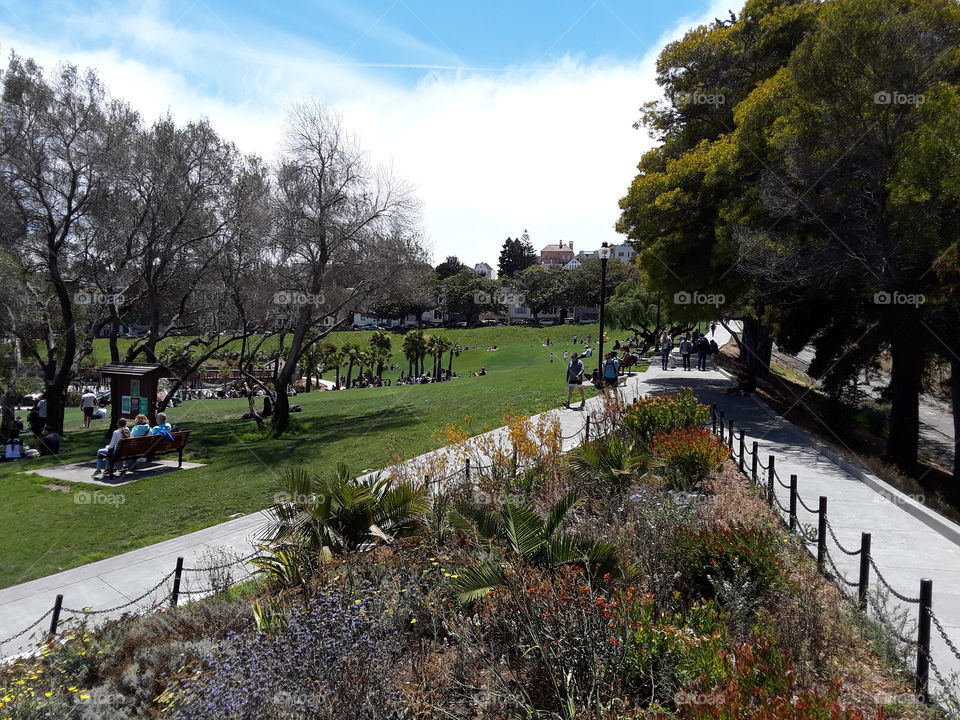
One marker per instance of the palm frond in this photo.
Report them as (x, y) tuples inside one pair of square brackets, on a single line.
[(475, 581)]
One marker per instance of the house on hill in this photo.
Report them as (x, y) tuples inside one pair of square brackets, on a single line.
[(556, 255)]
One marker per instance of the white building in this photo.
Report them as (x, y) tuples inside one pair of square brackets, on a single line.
[(484, 270), (623, 253)]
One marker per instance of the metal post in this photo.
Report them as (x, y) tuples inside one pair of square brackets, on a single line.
[(822, 533), (713, 417), (793, 502), (603, 302), (742, 449), (753, 463), (863, 585), (587, 434), (466, 470), (730, 435), (771, 474), (55, 620), (923, 640), (177, 575), (722, 421)]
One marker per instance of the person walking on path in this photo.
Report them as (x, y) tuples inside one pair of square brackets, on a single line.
[(574, 339), (685, 348), (713, 328), (666, 345), (611, 372), (88, 402), (566, 355), (575, 380), (703, 347)]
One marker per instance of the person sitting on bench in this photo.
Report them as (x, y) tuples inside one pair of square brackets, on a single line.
[(141, 427), (162, 425), (103, 454)]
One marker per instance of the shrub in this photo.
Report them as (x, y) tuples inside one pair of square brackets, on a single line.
[(761, 686), (689, 455), (713, 554), (328, 661), (666, 652), (653, 416)]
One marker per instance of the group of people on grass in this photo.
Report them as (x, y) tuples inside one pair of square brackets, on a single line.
[(141, 427)]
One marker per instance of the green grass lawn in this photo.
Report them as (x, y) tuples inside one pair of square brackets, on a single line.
[(48, 531)]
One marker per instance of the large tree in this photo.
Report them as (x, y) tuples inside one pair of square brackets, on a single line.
[(516, 255), (340, 224), (61, 137), (853, 210)]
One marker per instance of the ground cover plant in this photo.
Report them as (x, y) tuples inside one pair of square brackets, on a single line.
[(711, 610)]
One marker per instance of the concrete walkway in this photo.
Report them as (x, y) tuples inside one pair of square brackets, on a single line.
[(909, 542)]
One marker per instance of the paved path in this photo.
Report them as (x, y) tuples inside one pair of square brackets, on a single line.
[(909, 542)]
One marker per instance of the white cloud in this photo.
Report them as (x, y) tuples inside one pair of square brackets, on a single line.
[(549, 148)]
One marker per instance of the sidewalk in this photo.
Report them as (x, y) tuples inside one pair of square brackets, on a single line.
[(908, 542)]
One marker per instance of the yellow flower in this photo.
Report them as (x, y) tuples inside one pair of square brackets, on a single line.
[(72, 689), (412, 620), (48, 694), (84, 696)]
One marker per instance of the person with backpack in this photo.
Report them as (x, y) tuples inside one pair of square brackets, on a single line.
[(703, 347), (611, 371), (685, 348), (575, 380)]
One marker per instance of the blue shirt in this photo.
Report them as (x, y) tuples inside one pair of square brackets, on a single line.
[(139, 430), (161, 428), (610, 368)]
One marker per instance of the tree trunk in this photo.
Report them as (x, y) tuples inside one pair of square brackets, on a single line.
[(903, 441), (756, 348), (349, 373)]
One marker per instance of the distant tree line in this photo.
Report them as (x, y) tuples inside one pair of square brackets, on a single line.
[(107, 221)]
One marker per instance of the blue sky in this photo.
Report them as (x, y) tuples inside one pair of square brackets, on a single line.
[(505, 116)]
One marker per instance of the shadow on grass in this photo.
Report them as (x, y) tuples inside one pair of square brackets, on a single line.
[(215, 438)]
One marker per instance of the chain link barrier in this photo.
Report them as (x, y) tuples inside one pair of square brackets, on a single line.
[(134, 601), (837, 542), (886, 584), (943, 634), (29, 627)]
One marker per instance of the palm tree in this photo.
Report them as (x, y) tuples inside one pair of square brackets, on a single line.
[(614, 460), (414, 344), (341, 514), (333, 359), (353, 354), (531, 538), (380, 346), (454, 349), (434, 348)]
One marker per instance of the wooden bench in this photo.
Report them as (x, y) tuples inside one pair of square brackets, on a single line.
[(148, 445)]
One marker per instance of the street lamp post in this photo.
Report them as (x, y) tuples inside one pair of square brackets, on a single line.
[(604, 256)]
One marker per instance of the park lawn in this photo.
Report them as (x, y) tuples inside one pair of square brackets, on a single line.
[(48, 531)]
